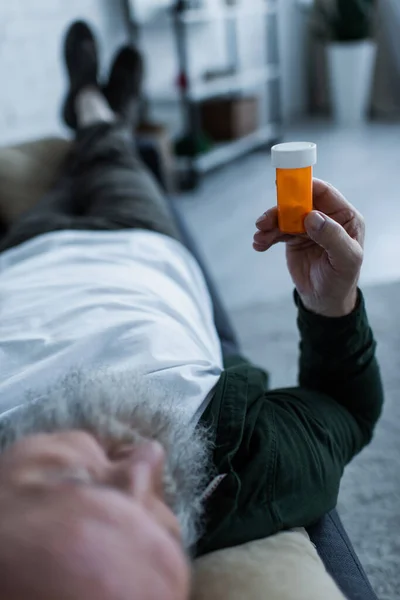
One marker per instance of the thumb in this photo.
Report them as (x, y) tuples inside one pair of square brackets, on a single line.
[(342, 250)]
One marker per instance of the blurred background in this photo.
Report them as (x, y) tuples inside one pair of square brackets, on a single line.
[(225, 80)]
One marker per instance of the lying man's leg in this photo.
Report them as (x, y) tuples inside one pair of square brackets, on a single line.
[(110, 184), (113, 188)]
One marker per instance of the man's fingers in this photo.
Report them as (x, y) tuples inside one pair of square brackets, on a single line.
[(344, 225), (268, 233), (328, 199), (265, 240), (268, 221), (342, 250)]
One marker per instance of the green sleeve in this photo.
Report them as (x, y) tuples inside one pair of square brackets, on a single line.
[(319, 427), (338, 358)]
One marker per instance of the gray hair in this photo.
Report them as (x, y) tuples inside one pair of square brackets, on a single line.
[(125, 408)]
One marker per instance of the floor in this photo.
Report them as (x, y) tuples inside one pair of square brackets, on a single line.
[(363, 163)]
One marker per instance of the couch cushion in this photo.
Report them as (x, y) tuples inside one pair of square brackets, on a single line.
[(283, 567), (27, 172)]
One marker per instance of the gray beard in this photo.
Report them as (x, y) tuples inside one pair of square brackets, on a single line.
[(125, 408)]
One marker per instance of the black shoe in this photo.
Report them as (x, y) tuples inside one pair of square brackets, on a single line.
[(124, 87), (81, 58)]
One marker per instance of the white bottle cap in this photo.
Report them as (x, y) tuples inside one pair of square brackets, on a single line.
[(294, 155)]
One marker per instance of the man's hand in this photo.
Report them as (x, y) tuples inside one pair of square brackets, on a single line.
[(325, 264)]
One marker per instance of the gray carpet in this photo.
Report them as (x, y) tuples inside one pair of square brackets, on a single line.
[(370, 496)]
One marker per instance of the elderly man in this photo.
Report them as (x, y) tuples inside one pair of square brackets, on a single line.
[(130, 441)]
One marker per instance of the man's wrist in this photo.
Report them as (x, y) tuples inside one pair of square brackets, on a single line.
[(320, 332), (334, 309)]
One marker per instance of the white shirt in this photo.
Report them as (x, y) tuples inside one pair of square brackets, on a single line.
[(126, 300)]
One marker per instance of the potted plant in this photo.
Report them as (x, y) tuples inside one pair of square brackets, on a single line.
[(347, 28)]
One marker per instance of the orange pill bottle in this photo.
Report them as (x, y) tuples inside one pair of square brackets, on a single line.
[(294, 163)]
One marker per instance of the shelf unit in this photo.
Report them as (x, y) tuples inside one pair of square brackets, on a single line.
[(197, 16), (223, 154), (225, 85), (266, 76)]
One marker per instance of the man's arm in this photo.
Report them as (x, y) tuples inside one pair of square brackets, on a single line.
[(320, 426), (338, 358)]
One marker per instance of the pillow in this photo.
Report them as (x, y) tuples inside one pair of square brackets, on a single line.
[(283, 567), (27, 172)]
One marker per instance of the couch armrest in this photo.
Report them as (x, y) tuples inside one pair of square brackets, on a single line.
[(340, 559)]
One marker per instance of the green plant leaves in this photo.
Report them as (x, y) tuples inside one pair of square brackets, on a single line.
[(343, 20)]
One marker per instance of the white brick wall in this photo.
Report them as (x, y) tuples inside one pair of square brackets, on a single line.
[(32, 80)]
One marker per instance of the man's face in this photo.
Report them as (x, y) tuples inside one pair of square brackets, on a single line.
[(77, 522)]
